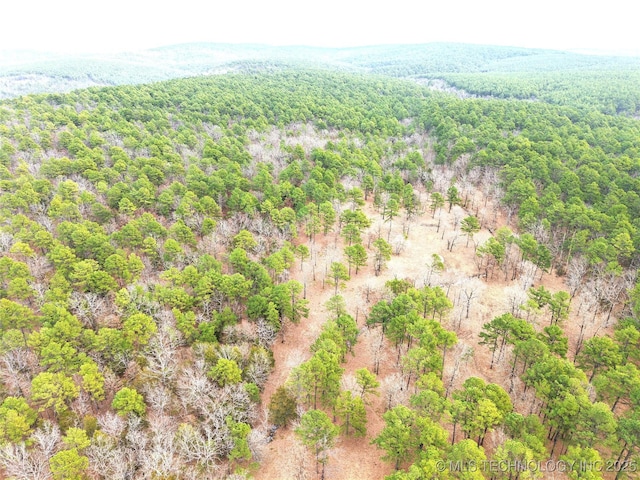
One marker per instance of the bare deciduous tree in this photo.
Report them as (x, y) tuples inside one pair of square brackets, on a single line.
[(47, 437), (258, 440), (515, 298), (399, 244), (258, 370), (469, 291), (374, 338), (527, 274), (160, 459), (157, 397), (451, 240), (194, 388), (588, 301), (21, 463), (16, 369), (6, 240), (348, 383), (576, 274), (393, 391), (111, 424), (161, 353), (462, 354), (368, 290), (107, 460), (88, 307), (265, 332), (298, 463), (81, 406), (39, 290), (199, 447)]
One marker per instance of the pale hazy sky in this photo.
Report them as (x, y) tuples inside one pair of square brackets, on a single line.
[(127, 25)]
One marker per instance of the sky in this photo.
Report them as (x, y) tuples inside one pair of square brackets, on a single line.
[(81, 26)]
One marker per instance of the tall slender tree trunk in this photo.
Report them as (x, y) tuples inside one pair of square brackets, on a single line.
[(555, 441), (620, 465)]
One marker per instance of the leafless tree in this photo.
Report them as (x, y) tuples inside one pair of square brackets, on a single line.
[(88, 307), (442, 178), (298, 463), (489, 182), (232, 400), (225, 231), (141, 301), (374, 337), (47, 438), (22, 463), (576, 274), (16, 369), (368, 291), (540, 232), (259, 368), (258, 440), (528, 274), (82, 405), (374, 233), (38, 266), (348, 383), (194, 388), (434, 265), (137, 440), (452, 239), (6, 240), (214, 430), (46, 222), (111, 424), (215, 472), (194, 220), (112, 383), (161, 353), (470, 291), (157, 396), (393, 391), (160, 459), (230, 352), (614, 287), (209, 244), (462, 354), (39, 291), (108, 460), (237, 403), (456, 217), (198, 447), (399, 245), (510, 211), (448, 279), (515, 298)]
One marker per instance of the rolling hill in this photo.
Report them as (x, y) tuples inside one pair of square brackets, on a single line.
[(37, 72)]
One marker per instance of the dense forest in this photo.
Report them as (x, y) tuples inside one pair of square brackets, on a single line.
[(160, 241)]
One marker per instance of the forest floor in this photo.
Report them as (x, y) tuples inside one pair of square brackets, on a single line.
[(357, 458)]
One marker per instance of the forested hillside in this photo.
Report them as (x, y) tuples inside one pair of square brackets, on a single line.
[(536, 69), (165, 246)]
